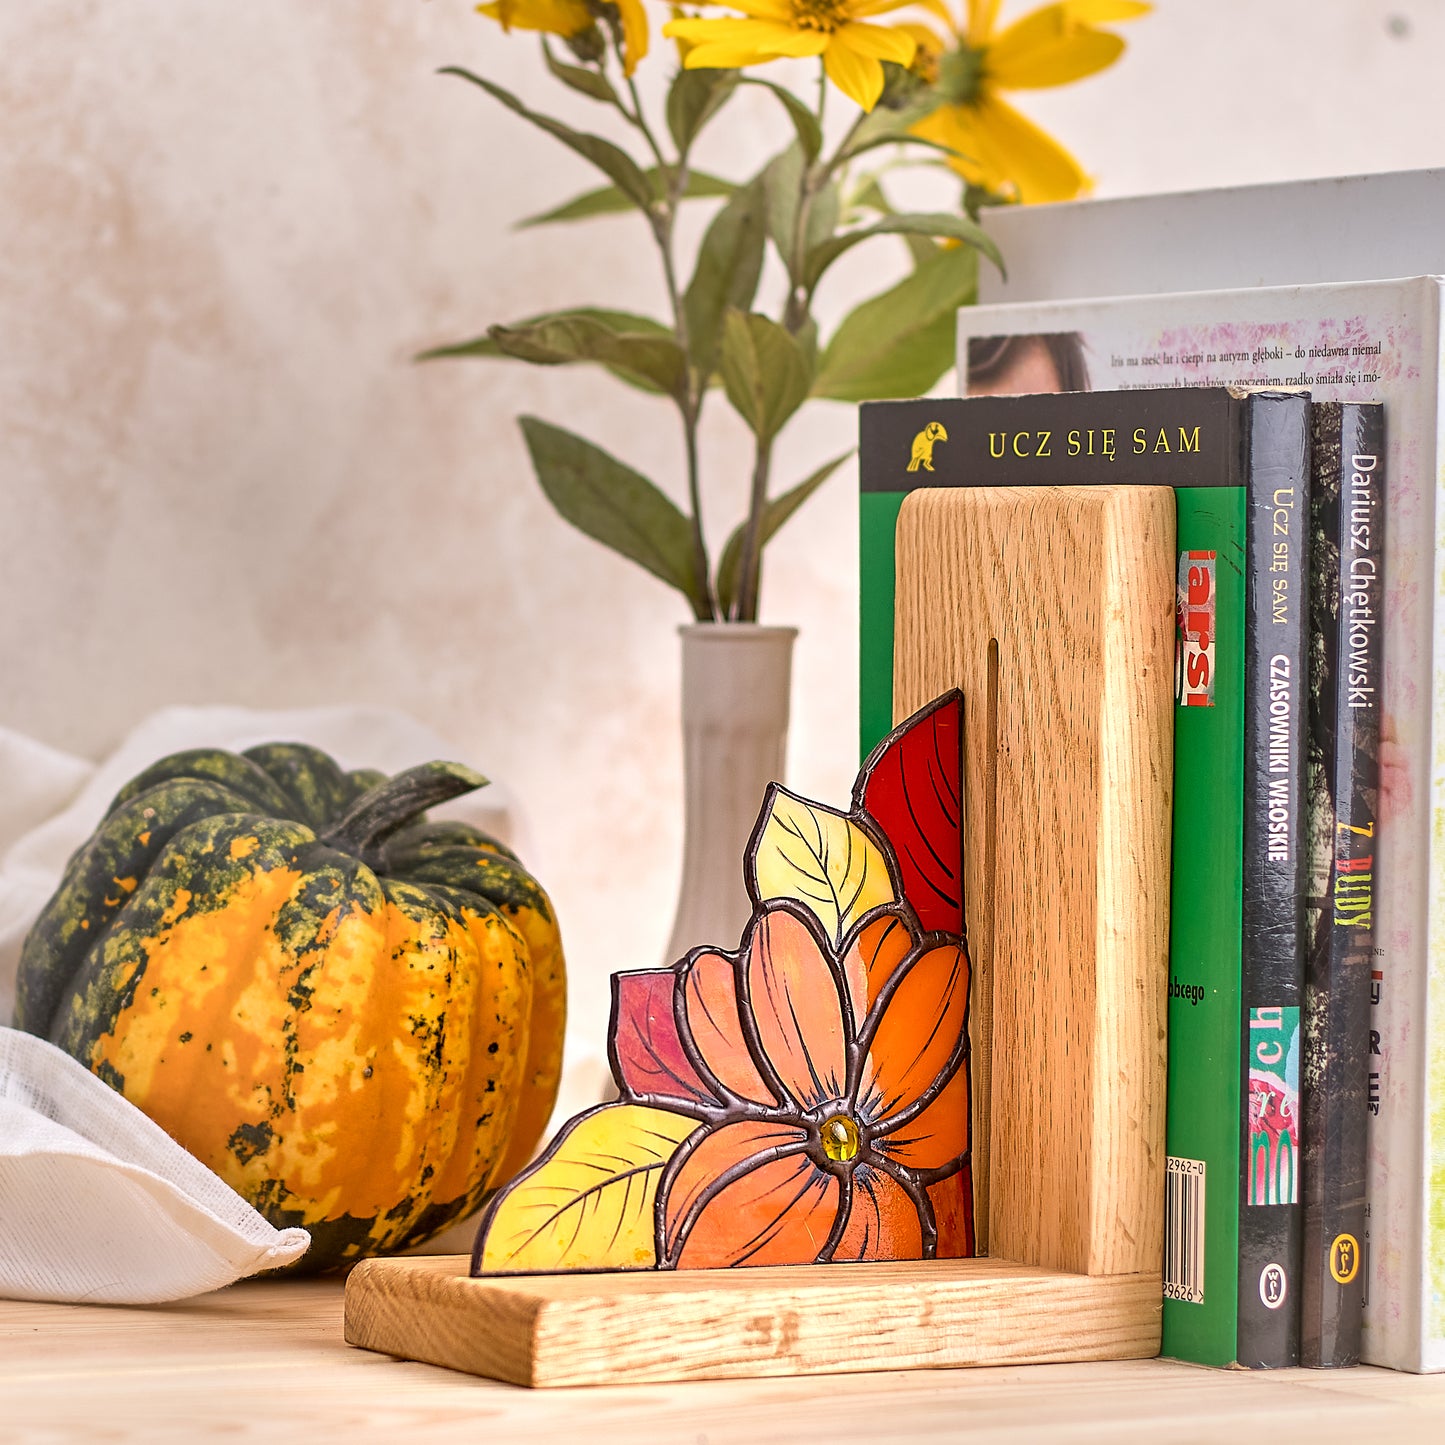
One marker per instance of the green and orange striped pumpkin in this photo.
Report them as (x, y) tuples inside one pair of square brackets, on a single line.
[(353, 1015)]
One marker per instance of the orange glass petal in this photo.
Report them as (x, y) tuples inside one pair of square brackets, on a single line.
[(882, 1223), (919, 1033), (873, 956), (794, 999), (938, 1135), (739, 1199), (710, 1000)]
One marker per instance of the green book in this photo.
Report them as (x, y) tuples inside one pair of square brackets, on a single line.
[(1191, 439)]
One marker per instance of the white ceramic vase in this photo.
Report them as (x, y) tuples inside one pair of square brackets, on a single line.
[(736, 678)]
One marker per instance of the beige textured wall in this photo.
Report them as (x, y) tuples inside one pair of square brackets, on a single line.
[(223, 230)]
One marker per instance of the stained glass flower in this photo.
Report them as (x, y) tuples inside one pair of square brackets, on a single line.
[(829, 1115), (805, 1098)]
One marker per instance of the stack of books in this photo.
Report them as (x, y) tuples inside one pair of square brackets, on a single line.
[(1301, 429)]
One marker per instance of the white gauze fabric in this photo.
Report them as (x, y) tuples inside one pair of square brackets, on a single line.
[(98, 1205)]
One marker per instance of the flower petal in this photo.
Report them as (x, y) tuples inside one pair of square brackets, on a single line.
[(746, 1194), (881, 42), (1002, 150), (952, 1201), (647, 1054), (916, 1033), (883, 1221), (793, 994), (733, 42), (1106, 12), (634, 33), (1046, 49), (981, 17), (710, 1003), (939, 1136), (859, 77), (779, 10), (863, 9), (553, 17), (872, 955)]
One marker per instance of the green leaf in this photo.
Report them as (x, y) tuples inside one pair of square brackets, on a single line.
[(884, 126), (695, 97), (869, 197), (783, 187), (615, 505), (900, 343), (810, 134), (775, 513), (609, 200), (823, 211), (611, 160), (729, 263), (764, 370), (648, 358), (920, 248), (636, 349), (958, 228), (590, 82)]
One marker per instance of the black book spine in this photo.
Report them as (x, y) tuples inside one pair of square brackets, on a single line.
[(1277, 464), (1347, 631)]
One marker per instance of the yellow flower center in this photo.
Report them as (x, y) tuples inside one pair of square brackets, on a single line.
[(841, 1140), (821, 15)]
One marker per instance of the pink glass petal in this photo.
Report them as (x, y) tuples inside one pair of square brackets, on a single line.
[(647, 1054)]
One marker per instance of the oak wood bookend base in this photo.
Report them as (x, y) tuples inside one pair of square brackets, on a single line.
[(551, 1330)]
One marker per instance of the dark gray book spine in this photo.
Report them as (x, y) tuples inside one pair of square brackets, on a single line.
[(1347, 632), (1277, 465)]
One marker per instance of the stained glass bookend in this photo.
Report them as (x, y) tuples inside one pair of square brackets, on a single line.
[(803, 1099), (840, 1145)]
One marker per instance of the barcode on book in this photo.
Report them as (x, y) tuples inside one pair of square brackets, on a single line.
[(1184, 1230)]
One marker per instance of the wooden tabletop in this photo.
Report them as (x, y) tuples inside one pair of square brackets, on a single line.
[(266, 1360)]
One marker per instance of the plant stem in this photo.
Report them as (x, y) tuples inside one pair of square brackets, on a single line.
[(746, 609), (704, 603), (639, 119)]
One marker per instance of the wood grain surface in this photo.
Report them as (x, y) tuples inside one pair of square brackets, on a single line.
[(1052, 608), (264, 1361), (592, 1329)]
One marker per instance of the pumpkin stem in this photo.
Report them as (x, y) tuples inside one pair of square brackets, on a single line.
[(366, 825)]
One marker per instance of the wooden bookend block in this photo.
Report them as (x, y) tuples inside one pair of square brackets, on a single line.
[(1052, 609)]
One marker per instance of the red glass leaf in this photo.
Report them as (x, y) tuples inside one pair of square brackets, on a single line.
[(911, 786), (647, 1056)]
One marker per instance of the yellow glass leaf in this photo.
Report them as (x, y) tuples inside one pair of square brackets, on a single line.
[(822, 858), (588, 1204)]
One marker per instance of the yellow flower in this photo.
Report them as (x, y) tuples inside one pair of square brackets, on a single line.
[(838, 30), (571, 17), (999, 148)]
